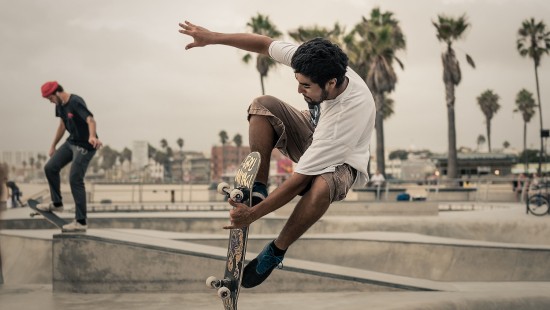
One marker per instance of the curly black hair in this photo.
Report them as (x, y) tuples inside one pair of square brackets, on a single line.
[(320, 60)]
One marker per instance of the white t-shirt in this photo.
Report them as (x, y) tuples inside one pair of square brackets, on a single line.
[(345, 126)]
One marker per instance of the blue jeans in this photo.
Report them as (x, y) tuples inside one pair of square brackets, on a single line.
[(80, 158)]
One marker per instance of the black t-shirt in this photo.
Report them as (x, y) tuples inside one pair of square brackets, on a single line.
[(14, 188), (74, 114)]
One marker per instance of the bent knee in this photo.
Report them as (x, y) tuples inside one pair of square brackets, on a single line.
[(265, 102), (49, 168)]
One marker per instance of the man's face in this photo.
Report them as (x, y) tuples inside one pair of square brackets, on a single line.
[(312, 92), (54, 98)]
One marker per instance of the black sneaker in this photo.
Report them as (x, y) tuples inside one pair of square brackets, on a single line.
[(261, 267), (259, 193)]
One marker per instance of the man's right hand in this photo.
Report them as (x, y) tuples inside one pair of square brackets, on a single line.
[(201, 36), (52, 151)]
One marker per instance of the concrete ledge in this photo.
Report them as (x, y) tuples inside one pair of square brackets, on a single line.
[(395, 208), (414, 255), (375, 208), (100, 261), (370, 194), (451, 194)]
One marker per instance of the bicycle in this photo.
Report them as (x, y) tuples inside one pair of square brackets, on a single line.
[(539, 203)]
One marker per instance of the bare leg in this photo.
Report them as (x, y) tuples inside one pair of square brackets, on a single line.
[(307, 212), (262, 139)]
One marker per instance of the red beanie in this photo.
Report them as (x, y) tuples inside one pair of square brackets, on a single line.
[(49, 88)]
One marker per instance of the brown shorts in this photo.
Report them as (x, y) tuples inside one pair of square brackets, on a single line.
[(295, 133)]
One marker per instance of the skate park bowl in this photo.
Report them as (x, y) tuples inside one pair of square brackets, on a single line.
[(443, 248)]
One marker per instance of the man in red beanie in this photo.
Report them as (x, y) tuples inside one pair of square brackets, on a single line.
[(79, 149)]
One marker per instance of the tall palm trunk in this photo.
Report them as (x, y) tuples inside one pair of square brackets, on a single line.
[(452, 157), (379, 126), (262, 82), (525, 146), (488, 126), (539, 170)]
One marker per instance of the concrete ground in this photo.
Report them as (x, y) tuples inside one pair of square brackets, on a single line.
[(515, 227), (487, 297)]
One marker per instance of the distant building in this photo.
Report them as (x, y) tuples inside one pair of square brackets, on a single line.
[(196, 168), (281, 167), (226, 159), (140, 156), (20, 158), (417, 169), (471, 164)]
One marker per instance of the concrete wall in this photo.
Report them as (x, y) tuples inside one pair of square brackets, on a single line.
[(26, 260), (438, 262), (87, 264)]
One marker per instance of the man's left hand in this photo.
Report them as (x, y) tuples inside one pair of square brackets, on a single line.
[(95, 142)]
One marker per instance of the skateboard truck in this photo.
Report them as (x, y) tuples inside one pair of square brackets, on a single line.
[(221, 285), (236, 194)]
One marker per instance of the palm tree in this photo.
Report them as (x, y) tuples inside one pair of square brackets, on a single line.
[(450, 30), (488, 102), (480, 140), (180, 144), (303, 34), (223, 138), (238, 140), (533, 42), (109, 156), (372, 46), (261, 24), (126, 154), (165, 158), (526, 106), (505, 144)]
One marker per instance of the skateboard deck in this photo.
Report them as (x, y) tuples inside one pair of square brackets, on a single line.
[(48, 215), (229, 286)]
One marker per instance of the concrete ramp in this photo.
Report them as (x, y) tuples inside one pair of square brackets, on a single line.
[(405, 254), (113, 261)]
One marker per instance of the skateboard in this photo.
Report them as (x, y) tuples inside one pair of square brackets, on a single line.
[(48, 215), (229, 287)]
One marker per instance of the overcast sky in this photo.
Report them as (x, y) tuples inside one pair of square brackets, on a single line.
[(128, 62)]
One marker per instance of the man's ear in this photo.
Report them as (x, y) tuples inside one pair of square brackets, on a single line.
[(331, 83)]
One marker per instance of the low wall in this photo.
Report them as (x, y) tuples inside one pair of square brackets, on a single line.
[(375, 208), (451, 194), (382, 194), (25, 260), (90, 263)]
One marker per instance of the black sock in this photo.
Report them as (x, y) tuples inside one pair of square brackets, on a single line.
[(58, 204), (276, 250), (82, 222), (259, 185)]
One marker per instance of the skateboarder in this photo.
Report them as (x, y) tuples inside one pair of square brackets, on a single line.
[(79, 148), (15, 194), (329, 143)]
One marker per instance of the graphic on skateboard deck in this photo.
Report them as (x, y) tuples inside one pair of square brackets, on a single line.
[(48, 215), (229, 286)]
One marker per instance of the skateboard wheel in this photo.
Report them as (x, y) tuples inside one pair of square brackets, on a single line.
[(236, 195), (223, 188), (212, 282), (224, 293)]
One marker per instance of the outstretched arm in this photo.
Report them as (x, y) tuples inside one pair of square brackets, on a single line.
[(250, 42)]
